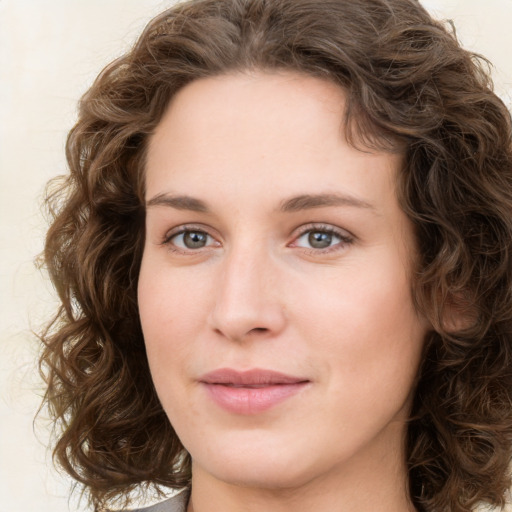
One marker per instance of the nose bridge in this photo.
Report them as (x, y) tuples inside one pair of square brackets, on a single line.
[(247, 301)]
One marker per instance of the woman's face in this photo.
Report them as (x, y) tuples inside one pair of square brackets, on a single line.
[(275, 292)]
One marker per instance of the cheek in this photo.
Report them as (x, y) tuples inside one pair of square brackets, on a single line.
[(363, 321), (173, 306), (166, 295), (358, 298)]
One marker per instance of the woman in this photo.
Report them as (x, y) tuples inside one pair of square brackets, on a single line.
[(283, 258)]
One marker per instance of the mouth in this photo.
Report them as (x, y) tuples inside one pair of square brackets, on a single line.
[(250, 392)]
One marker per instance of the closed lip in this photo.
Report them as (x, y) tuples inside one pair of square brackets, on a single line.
[(250, 392), (254, 378)]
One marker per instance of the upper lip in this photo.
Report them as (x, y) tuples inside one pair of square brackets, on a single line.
[(254, 377)]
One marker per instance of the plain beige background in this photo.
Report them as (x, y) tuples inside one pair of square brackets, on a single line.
[(50, 51)]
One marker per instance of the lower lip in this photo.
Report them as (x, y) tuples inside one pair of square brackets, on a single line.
[(246, 400)]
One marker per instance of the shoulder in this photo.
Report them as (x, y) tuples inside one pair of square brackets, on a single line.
[(177, 503)]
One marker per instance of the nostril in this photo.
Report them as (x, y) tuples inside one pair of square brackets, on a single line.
[(259, 329)]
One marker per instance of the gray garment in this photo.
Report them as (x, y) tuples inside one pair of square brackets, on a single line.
[(177, 503)]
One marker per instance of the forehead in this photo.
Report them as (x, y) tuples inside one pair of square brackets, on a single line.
[(253, 107), (283, 126)]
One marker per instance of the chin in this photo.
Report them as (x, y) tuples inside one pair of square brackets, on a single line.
[(263, 462), (259, 474)]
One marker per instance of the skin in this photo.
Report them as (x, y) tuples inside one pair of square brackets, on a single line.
[(261, 293)]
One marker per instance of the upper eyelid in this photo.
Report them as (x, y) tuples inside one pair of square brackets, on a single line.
[(183, 228), (320, 226)]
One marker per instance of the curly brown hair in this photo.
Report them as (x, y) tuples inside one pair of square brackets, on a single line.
[(408, 82)]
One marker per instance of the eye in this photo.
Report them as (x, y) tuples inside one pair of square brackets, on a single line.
[(190, 239), (322, 238), (317, 239)]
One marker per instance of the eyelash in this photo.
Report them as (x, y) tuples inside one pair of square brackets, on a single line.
[(344, 238), (167, 241)]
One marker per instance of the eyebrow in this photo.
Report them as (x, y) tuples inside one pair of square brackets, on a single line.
[(179, 203), (309, 201), (293, 204)]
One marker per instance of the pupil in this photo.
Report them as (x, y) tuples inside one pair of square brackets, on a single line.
[(319, 239), (194, 239)]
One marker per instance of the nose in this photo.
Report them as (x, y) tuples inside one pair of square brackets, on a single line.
[(247, 300)]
